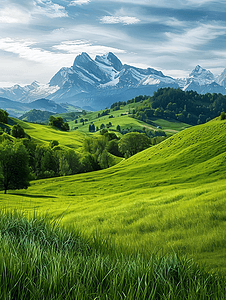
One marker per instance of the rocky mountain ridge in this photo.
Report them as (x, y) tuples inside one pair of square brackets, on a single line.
[(99, 82)]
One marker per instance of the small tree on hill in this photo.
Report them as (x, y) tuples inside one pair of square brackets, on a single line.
[(223, 115), (59, 123), (17, 131), (118, 128), (14, 169)]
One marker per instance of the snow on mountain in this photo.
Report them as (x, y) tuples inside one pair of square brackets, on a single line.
[(221, 79), (199, 77), (101, 81)]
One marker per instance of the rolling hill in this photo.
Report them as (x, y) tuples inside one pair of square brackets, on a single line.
[(170, 196)]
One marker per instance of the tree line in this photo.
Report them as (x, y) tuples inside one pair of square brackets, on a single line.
[(189, 107)]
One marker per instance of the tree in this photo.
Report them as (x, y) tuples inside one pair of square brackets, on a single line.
[(223, 115), (133, 142), (112, 147), (118, 128), (53, 143), (17, 131), (14, 169), (3, 116), (59, 123)]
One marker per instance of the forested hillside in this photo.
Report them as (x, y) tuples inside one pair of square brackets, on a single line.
[(188, 107)]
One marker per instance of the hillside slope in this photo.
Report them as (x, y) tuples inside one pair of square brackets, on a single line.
[(170, 196)]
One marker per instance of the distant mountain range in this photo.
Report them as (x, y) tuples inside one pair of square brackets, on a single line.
[(16, 108), (98, 83)]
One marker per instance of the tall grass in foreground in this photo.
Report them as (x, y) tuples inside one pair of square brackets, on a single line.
[(41, 260)]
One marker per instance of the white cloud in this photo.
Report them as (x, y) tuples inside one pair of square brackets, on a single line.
[(126, 20), (191, 39), (24, 49), (79, 2), (49, 9), (78, 46), (12, 15), (67, 51)]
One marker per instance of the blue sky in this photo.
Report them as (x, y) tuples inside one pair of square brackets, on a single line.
[(38, 37)]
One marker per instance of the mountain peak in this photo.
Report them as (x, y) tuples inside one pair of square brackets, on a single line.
[(109, 59), (200, 72), (82, 59)]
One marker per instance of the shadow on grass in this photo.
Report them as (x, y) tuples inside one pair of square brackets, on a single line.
[(32, 196)]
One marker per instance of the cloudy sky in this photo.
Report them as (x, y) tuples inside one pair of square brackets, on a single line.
[(38, 37)]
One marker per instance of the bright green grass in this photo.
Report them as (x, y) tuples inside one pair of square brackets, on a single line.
[(41, 260), (170, 196), (44, 134), (126, 122)]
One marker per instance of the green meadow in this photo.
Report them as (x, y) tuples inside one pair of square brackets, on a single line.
[(123, 118), (169, 198), (44, 134)]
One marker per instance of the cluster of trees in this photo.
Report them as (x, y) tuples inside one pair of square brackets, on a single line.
[(189, 107), (14, 168), (22, 160), (117, 105), (59, 123), (103, 113), (92, 128), (126, 146)]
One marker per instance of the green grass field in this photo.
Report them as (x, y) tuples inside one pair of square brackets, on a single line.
[(44, 134), (126, 121), (170, 197), (41, 260)]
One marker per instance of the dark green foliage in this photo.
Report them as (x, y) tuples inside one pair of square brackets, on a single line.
[(109, 135), (14, 169), (59, 123), (103, 113), (3, 116), (17, 131), (36, 116), (98, 157), (53, 144), (118, 128), (102, 126), (112, 147), (223, 115), (89, 163), (133, 142), (91, 128), (189, 107), (116, 105), (65, 126), (5, 128)]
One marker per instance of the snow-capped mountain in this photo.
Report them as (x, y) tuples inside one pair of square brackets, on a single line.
[(104, 80), (99, 82), (202, 81), (221, 79), (28, 93)]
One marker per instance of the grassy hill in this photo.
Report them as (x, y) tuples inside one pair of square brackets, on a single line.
[(123, 118), (168, 197), (44, 134)]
